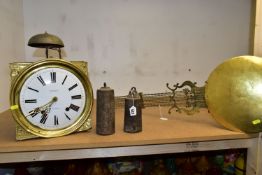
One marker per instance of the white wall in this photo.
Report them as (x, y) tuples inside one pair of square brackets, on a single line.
[(143, 43), (11, 44)]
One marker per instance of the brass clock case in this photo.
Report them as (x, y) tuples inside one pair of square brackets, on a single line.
[(28, 71)]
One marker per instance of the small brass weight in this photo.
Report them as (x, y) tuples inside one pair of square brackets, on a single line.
[(133, 112)]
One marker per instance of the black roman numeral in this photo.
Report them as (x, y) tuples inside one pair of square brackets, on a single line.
[(67, 117), (43, 118), (41, 80), (64, 80), (73, 107), (33, 113), (31, 101), (53, 77), (56, 120), (76, 97), (72, 87), (32, 89)]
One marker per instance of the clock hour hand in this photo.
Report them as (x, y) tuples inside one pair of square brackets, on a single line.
[(43, 109), (49, 104), (37, 110)]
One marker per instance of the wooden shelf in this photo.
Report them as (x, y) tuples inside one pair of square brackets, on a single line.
[(178, 128), (180, 133)]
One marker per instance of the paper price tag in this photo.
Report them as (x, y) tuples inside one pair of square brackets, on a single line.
[(132, 111)]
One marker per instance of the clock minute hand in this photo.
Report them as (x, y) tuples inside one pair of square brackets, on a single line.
[(43, 109), (49, 104)]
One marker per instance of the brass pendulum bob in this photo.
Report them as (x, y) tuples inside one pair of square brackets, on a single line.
[(234, 94)]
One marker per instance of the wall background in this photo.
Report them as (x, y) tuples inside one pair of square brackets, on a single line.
[(142, 43), (11, 43)]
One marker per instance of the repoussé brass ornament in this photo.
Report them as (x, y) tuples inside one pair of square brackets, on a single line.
[(186, 97)]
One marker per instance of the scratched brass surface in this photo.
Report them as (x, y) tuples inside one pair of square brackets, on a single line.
[(234, 94)]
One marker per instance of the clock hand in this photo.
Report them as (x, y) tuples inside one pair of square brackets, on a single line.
[(43, 109), (49, 104), (46, 110)]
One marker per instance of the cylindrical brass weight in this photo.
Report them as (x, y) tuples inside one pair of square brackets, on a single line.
[(133, 112), (105, 111)]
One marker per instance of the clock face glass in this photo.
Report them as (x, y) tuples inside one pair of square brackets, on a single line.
[(52, 98)]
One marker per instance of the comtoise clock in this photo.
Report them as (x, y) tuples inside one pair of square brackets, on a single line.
[(50, 98)]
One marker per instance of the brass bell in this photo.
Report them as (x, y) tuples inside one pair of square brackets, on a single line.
[(46, 41)]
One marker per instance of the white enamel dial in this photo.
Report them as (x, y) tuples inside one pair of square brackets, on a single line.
[(52, 98)]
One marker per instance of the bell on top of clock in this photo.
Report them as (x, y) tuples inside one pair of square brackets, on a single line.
[(47, 41)]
